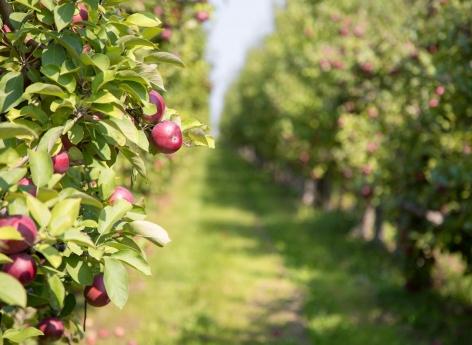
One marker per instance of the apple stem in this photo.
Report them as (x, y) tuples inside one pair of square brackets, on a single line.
[(85, 317)]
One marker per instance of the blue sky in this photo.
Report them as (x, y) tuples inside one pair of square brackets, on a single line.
[(237, 26)]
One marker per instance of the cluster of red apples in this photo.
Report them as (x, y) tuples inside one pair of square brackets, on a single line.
[(23, 266)]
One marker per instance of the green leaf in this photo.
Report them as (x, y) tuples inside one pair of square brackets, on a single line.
[(11, 90), (50, 138), (19, 335), (45, 89), (57, 292), (11, 290), (101, 61), (14, 130), (63, 15), (158, 57), (40, 167), (63, 216), (130, 131), (79, 270), (4, 259), (10, 177), (54, 54), (38, 210), (78, 237), (133, 259), (50, 253), (155, 233), (110, 215), (116, 281), (136, 160), (10, 233), (145, 20), (106, 182), (85, 198)]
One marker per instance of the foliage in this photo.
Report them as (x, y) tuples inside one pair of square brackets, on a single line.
[(370, 98), (75, 85)]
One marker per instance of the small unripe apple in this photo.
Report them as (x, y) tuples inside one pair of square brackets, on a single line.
[(158, 100), (167, 137), (81, 16), (121, 193), (96, 294), (202, 16), (166, 34), (26, 227), (61, 162), (22, 268), (28, 185), (52, 327)]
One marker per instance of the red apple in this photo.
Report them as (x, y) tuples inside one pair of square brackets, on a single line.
[(158, 11), (6, 28), (367, 192), (167, 136), (28, 185), (81, 16), (121, 193), (61, 162), (202, 16), (26, 227), (440, 90), (166, 34), (96, 294), (52, 327), (433, 103), (22, 268), (158, 100)]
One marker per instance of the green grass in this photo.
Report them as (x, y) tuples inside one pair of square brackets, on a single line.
[(248, 265)]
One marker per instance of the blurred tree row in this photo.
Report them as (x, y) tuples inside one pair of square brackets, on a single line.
[(369, 100)]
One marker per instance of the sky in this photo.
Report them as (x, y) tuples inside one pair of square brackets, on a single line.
[(236, 27)]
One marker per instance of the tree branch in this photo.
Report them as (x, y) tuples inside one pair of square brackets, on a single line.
[(5, 11)]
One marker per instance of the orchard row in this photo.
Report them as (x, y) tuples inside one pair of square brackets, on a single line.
[(370, 100)]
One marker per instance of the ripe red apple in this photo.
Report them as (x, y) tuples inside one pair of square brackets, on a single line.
[(167, 136), (166, 34), (81, 16), (96, 294), (22, 268), (202, 16), (158, 11), (52, 327), (26, 227), (121, 193), (158, 100), (367, 192), (28, 185), (440, 90), (433, 103), (61, 162)]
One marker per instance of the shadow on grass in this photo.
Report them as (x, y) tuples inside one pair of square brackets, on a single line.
[(353, 291)]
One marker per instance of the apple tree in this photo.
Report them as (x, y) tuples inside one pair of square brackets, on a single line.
[(81, 88)]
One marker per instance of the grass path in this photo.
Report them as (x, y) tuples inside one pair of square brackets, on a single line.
[(248, 266)]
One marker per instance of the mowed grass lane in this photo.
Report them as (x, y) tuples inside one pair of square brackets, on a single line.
[(248, 265)]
